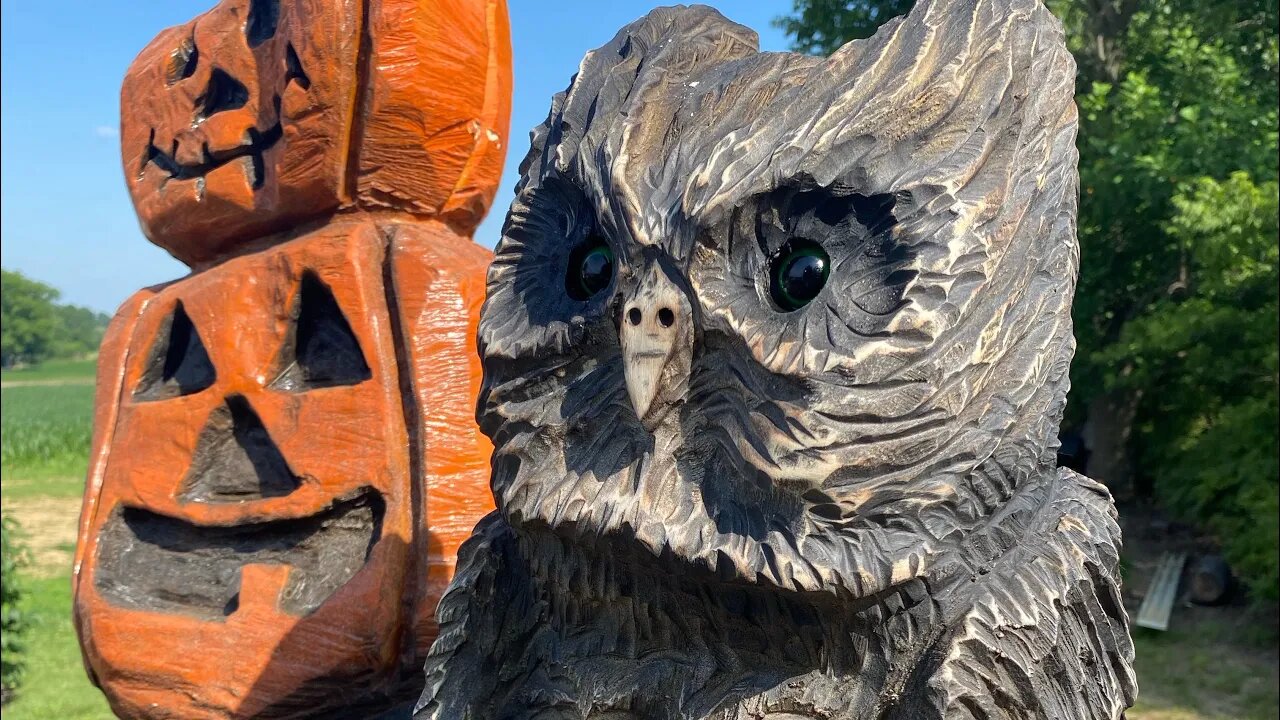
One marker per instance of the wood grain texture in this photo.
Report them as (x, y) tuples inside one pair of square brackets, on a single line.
[(438, 283), (439, 103), (846, 510)]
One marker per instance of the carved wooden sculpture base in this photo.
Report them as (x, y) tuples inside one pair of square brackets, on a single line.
[(775, 354)]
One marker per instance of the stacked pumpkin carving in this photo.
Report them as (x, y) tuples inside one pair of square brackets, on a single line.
[(285, 457)]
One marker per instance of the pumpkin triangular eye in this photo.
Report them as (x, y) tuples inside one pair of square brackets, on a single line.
[(321, 350), (178, 363), (223, 93), (293, 68), (235, 459), (260, 26)]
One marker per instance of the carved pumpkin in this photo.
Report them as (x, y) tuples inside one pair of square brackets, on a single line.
[(285, 456), (261, 114), (259, 540)]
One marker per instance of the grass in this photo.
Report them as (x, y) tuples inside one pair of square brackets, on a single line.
[(46, 431), (45, 425), (53, 370), (1212, 664), (55, 684)]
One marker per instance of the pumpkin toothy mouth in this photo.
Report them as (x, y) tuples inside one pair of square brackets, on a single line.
[(149, 561), (259, 143)]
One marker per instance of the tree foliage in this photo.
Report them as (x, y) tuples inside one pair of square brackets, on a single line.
[(821, 26), (27, 320), (1176, 311), (13, 623), (34, 327)]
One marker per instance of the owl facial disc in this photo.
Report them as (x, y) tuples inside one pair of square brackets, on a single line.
[(656, 332)]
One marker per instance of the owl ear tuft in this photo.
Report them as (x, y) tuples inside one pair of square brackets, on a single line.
[(660, 48), (963, 105), (953, 86)]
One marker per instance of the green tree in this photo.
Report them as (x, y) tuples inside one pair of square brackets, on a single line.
[(1203, 366), (79, 330), (13, 623), (28, 322), (1176, 310), (821, 26), (36, 327)]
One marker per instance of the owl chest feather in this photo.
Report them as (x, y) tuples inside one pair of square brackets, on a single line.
[(614, 634), (563, 629)]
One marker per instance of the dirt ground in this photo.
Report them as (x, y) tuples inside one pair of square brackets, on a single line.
[(49, 526)]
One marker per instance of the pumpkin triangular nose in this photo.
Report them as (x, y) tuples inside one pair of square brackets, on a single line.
[(235, 459)]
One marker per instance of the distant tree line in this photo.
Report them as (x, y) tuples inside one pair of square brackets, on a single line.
[(1175, 385), (35, 327)]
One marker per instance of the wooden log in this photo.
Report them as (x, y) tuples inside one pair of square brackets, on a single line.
[(1209, 580)]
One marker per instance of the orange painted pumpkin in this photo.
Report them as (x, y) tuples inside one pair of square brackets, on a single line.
[(285, 457), (263, 114)]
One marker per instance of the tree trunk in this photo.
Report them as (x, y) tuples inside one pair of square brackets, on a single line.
[(1107, 433)]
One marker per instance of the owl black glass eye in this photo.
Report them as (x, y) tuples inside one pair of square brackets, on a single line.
[(590, 269), (798, 273)]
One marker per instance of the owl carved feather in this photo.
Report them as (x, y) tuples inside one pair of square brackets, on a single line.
[(775, 353)]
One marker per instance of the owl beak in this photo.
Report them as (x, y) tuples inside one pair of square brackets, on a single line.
[(656, 334)]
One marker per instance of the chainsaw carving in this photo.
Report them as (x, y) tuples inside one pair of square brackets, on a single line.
[(285, 454), (775, 352)]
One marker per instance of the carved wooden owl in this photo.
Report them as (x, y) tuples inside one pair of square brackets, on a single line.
[(775, 353)]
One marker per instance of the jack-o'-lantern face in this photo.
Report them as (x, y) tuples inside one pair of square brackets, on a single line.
[(285, 457), (239, 122), (256, 527), (262, 114), (285, 461)]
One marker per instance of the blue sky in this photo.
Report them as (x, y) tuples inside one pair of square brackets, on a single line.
[(65, 217)]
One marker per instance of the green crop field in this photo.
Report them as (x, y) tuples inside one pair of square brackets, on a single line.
[(46, 430), (80, 371), (45, 425)]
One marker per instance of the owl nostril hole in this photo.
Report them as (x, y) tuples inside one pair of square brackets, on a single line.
[(666, 318), (633, 316)]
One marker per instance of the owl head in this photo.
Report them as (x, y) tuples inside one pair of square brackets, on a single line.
[(798, 320)]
